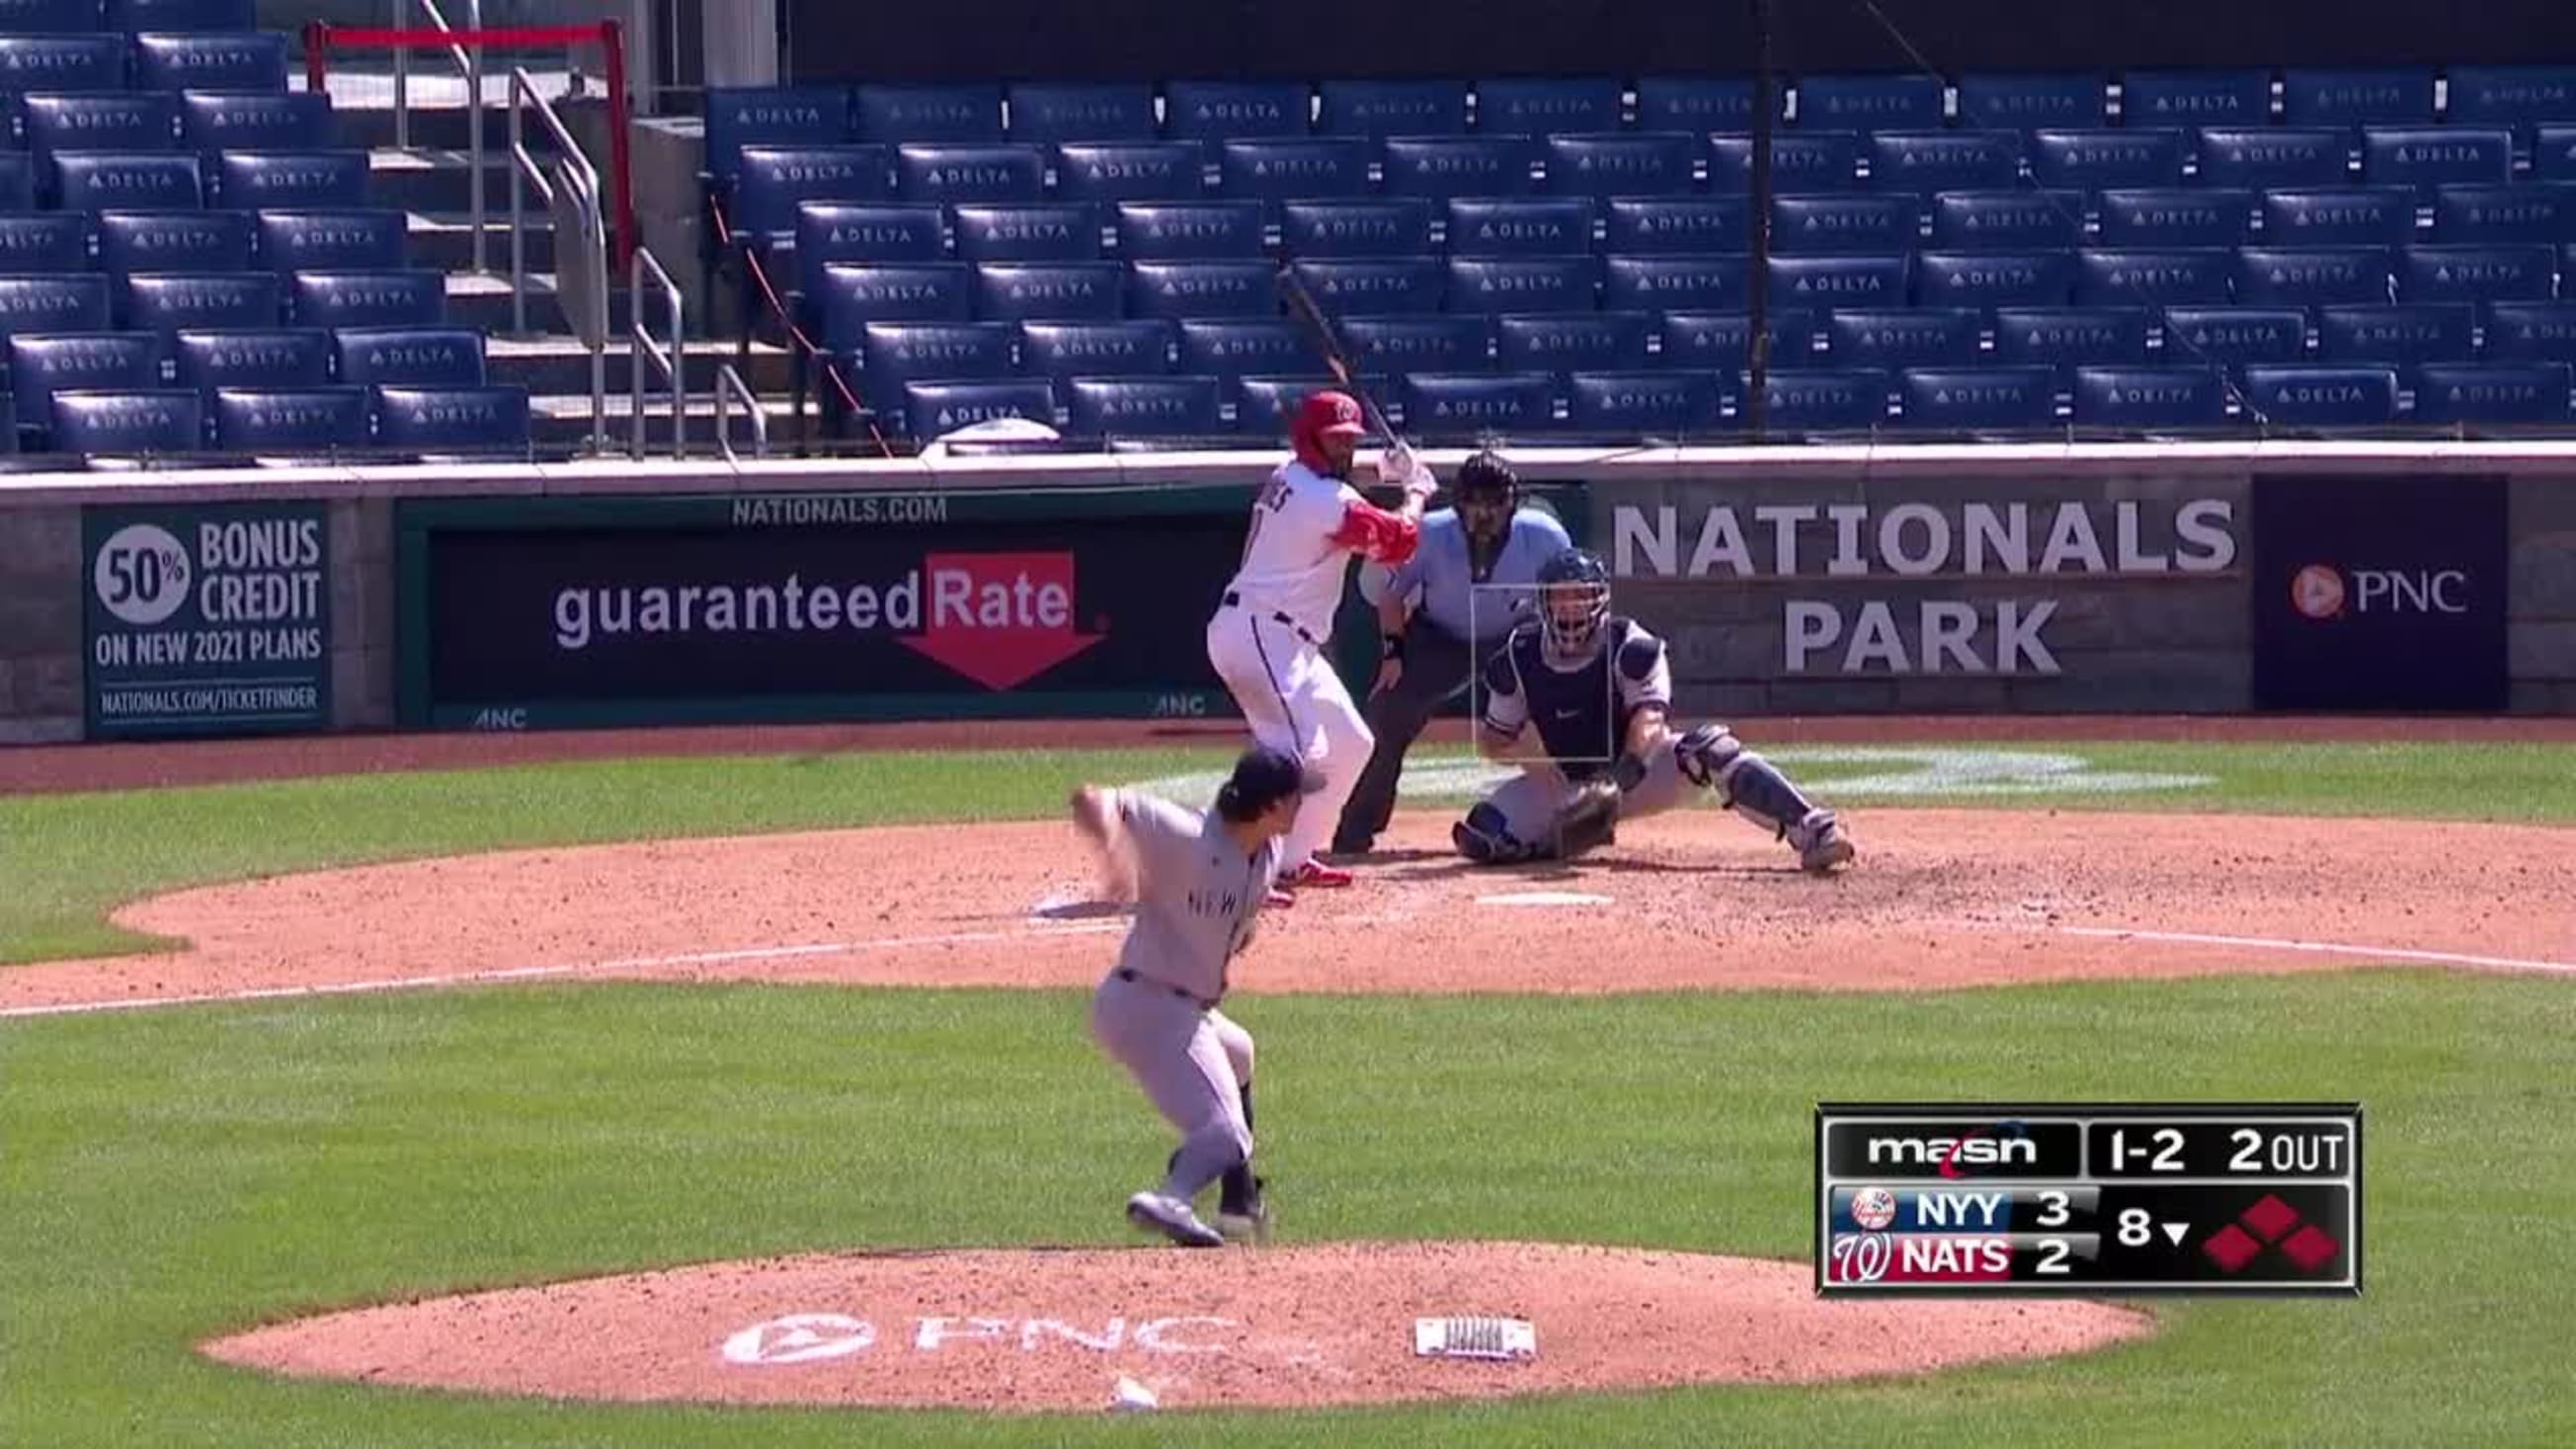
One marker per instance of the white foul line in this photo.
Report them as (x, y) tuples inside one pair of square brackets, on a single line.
[(2323, 948)]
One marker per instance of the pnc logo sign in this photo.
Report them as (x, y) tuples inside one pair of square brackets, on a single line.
[(1000, 619), (2323, 591)]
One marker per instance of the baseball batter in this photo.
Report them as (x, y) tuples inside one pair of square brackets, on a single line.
[(1198, 880), (1581, 699), (1268, 637)]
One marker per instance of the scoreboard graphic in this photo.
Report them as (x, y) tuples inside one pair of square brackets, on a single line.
[(1988, 1200)]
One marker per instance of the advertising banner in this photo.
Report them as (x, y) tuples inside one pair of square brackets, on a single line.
[(2380, 593), (206, 619)]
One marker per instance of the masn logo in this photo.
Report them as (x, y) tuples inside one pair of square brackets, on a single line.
[(1952, 1152)]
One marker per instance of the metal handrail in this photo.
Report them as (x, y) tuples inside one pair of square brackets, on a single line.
[(469, 65), (728, 380), (583, 180), (672, 363)]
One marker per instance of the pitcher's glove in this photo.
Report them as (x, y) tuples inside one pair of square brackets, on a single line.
[(1588, 820)]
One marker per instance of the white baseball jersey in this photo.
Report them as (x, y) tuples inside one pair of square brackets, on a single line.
[(1196, 894), (1305, 528)]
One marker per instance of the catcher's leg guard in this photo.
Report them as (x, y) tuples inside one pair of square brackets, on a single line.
[(1485, 837), (1754, 788)]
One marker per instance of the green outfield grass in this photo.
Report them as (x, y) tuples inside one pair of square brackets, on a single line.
[(171, 1174)]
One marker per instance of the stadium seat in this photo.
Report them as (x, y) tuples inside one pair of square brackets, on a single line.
[(1994, 279), (291, 420), (2066, 338), (894, 114), (211, 121), (157, 420), (774, 181), (2231, 337), (73, 302), (1538, 106), (1633, 163), (1520, 226), (1919, 163), (1279, 168), (1719, 341), (17, 181), (1853, 281), (110, 121), (289, 180), (2520, 98), (2007, 220), (1386, 226), (1233, 347), (1365, 285), (2343, 216), (853, 294), (1678, 283), (933, 408), (1001, 231), (1564, 342), (2275, 158), (1700, 104), (1143, 407), (261, 357), (1657, 405), (2176, 216), (1049, 291), (409, 356), (2535, 211), (1523, 284), (1869, 102), (850, 231), (295, 241), (2127, 398), (788, 116), (1828, 225), (890, 354), (1183, 290), (2404, 334), (1180, 231), (1263, 405), (50, 17), (44, 241), (40, 363), (2313, 276), (1129, 171), (1212, 110), (2107, 160), (2032, 102), (162, 241), (126, 181), (1461, 406), (954, 173), (1977, 399), (491, 420), (1380, 108), (1824, 400), (167, 302), (1130, 347), (2477, 273), (1896, 338), (2508, 393), (1441, 167), (2321, 397), (2531, 332), (132, 16), (1080, 111), (242, 60), (1668, 224), (2173, 276), (2553, 156), (2195, 98), (2357, 97), (1801, 165), (2428, 158), (1418, 344), (62, 63)]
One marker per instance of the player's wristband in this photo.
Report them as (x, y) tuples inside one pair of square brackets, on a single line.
[(1628, 772), (1392, 646)]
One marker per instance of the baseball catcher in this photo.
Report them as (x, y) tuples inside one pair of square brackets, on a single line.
[(1595, 690)]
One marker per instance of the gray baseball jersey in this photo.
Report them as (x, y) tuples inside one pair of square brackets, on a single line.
[(1196, 894)]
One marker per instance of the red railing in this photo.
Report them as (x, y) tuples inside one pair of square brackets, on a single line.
[(321, 37), (807, 350)]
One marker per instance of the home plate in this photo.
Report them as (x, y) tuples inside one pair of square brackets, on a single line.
[(1543, 898)]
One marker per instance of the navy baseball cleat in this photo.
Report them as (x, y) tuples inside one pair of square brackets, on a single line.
[(1246, 1222), (1152, 1212)]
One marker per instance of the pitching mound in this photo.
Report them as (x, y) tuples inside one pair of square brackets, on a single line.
[(1021, 1332)]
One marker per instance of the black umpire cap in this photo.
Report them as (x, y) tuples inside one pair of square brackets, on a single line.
[(1262, 778)]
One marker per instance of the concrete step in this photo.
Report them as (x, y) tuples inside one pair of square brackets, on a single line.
[(557, 421), (361, 88), (484, 300), (441, 179), (560, 364), (445, 239)]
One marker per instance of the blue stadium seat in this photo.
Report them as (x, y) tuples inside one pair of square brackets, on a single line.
[(1824, 400), (2404, 333), (1869, 102), (491, 420), (1391, 108), (1710, 282), (2032, 102), (2531, 332), (1700, 104), (1143, 407), (131, 16), (1418, 344), (1441, 167), (1129, 170), (1181, 231), (2508, 393), (126, 181), (2341, 217), (373, 297), (1081, 111), (1386, 226), (1184, 290), (1994, 279), (890, 354), (789, 116), (2535, 211), (1050, 291), (1891, 339), (1828, 225), (853, 294), (17, 181), (894, 114), (2066, 338), (2172, 276), (2520, 98), (775, 180), (157, 420), (167, 302), (1978, 399), (1572, 342), (2321, 397), (62, 63), (2008, 220), (2357, 97), (1465, 405), (2195, 98), (1801, 165), (1538, 106), (1515, 226), (409, 356), (2477, 273), (1376, 285), (1855, 281), (2177, 216), (2276, 158), (958, 172), (1276, 168), (1233, 347), (1132, 347), (242, 60), (75, 302), (49, 17), (1633, 163), (102, 121), (1669, 224), (1524, 284), (1044, 231), (2313, 276), (288, 180), (211, 121), (1720, 341), (934, 408), (2553, 155), (2429, 157), (44, 241), (1263, 404), (2127, 398), (292, 420), (40, 363), (1629, 404), (1920, 163), (253, 357), (2231, 337), (2107, 160), (847, 231), (1213, 110)]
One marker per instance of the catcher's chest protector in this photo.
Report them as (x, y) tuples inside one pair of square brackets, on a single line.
[(1578, 713)]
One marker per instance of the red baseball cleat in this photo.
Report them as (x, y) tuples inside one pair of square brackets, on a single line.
[(1318, 875), (1278, 898)]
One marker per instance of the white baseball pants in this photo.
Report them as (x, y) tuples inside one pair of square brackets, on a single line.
[(1293, 701)]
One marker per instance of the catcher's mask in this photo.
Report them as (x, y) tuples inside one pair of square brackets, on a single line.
[(1574, 601), (1486, 492)]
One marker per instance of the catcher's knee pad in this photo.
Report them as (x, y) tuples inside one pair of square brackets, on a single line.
[(1704, 753), (1485, 837), (1755, 789)]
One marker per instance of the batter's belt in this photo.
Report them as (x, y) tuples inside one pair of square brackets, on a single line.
[(1234, 600)]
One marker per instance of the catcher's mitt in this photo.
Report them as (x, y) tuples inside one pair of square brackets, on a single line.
[(1588, 819)]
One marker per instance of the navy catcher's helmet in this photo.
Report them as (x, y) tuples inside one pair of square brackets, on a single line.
[(1574, 600)]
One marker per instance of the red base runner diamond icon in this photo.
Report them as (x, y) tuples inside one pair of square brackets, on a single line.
[(2234, 1247), (2311, 1248), (2231, 1248), (2270, 1218)]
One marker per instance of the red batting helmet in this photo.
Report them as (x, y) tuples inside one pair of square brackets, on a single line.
[(1323, 415)]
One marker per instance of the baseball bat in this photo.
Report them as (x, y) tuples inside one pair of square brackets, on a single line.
[(1310, 312)]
